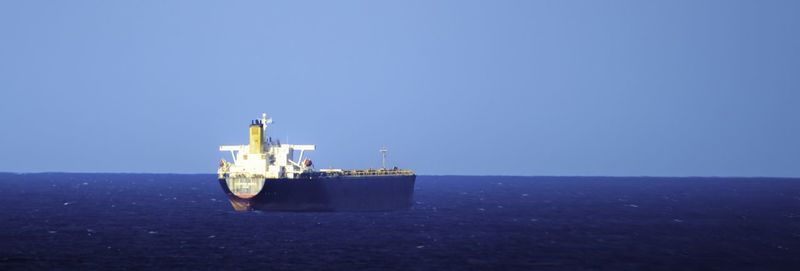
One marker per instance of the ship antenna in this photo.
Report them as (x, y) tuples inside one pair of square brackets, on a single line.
[(264, 122), (383, 151)]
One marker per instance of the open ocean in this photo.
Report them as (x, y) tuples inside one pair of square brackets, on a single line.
[(165, 221)]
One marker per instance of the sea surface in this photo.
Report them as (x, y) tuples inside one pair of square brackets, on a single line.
[(165, 221)]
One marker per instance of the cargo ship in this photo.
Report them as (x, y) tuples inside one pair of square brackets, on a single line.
[(265, 176)]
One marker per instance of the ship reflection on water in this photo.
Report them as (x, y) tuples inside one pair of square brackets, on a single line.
[(239, 204)]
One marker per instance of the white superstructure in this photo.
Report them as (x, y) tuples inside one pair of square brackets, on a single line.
[(263, 158)]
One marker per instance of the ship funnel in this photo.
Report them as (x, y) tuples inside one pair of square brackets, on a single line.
[(256, 138)]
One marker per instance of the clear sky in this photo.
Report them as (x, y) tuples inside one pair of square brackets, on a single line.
[(677, 88)]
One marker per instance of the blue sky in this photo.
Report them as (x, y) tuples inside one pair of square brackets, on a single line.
[(626, 88)]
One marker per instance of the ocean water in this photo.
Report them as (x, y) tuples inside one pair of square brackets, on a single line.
[(162, 221)]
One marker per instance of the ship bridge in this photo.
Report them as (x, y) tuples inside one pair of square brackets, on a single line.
[(265, 158)]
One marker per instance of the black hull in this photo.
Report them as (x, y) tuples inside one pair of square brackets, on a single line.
[(342, 193)]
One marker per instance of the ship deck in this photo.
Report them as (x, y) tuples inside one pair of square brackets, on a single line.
[(364, 172)]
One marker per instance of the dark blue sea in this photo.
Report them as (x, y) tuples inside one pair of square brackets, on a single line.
[(163, 221)]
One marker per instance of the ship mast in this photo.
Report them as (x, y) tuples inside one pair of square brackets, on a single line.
[(264, 122)]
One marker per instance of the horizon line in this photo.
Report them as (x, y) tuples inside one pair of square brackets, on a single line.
[(439, 175)]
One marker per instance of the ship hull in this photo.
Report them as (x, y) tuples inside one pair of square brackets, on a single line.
[(321, 194)]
